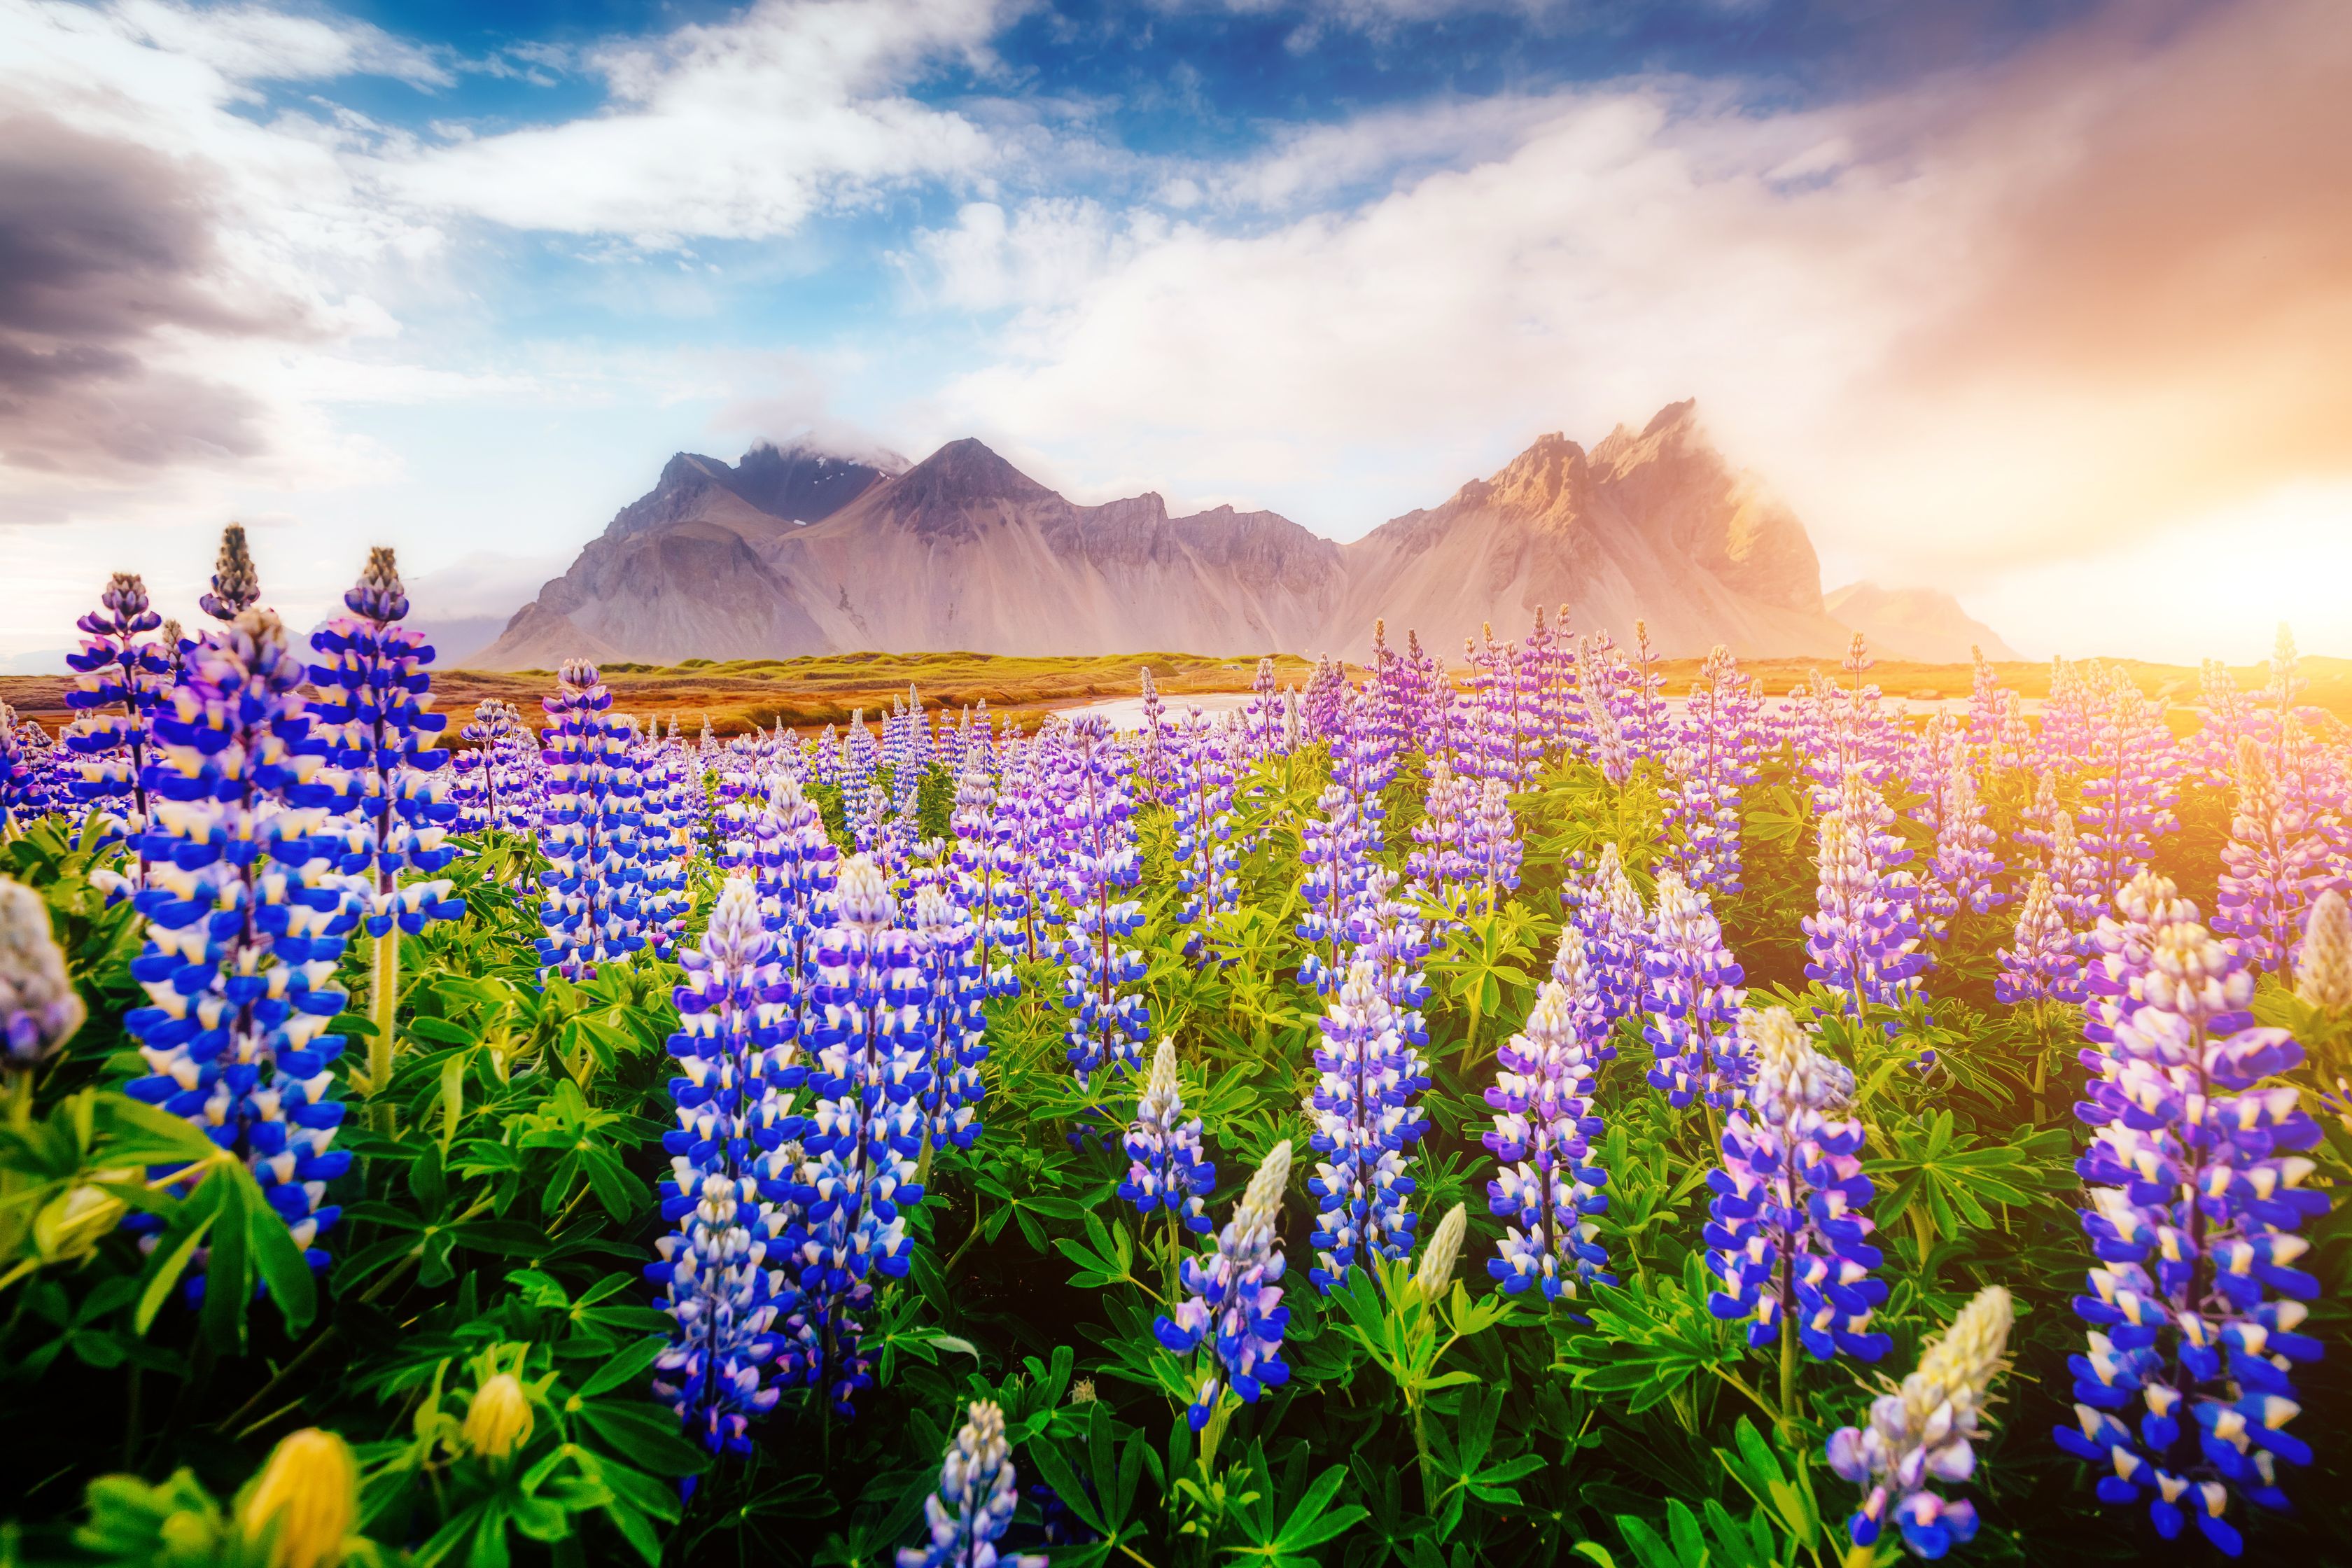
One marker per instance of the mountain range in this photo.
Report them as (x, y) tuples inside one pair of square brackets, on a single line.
[(795, 551)]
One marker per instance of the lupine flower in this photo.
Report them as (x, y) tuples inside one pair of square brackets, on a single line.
[(120, 676), (2044, 965), (590, 904), (1233, 1305), (246, 918), (2273, 867), (1924, 1431), (22, 793), (1607, 908), (2073, 880), (1863, 937), (2126, 785), (1610, 752), (1386, 932), (1436, 864), (1336, 856), (373, 721), (1961, 877), (1165, 1169), (865, 1135), (1490, 845), (39, 1008), (1367, 1121), (977, 1495), (1708, 774), (1693, 996), (1435, 1271), (2196, 1186), (2323, 979), (955, 1021), (1201, 794), (235, 585), (486, 793), (1789, 1236), (1261, 716), (1547, 1191), (498, 1419), (1108, 1020), (304, 1503), (724, 1271)]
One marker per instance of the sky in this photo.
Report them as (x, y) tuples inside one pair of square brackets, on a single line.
[(2045, 302)]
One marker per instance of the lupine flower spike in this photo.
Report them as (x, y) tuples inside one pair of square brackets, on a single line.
[(1924, 1431), (1166, 1170), (977, 1495), (1233, 1306), (40, 1009)]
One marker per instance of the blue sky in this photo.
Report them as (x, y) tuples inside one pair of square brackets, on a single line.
[(460, 278)]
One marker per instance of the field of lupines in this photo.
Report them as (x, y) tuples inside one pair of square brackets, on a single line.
[(1507, 1114)]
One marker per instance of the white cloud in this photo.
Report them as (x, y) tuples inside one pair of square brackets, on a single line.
[(737, 130)]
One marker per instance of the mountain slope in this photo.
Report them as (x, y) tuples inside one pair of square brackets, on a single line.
[(792, 552), (1923, 624), (1654, 526)]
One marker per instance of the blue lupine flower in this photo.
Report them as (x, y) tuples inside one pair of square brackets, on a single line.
[(1924, 1431), (1694, 997), (1108, 1020), (1335, 859), (1367, 1120), (246, 918), (1863, 936), (726, 1268), (1787, 1229), (2045, 964), (24, 791), (1707, 773), (373, 721), (2275, 864), (865, 1135), (591, 893), (1437, 865), (1605, 907), (39, 1008), (1962, 874), (236, 586), (1233, 1309), (977, 1495), (987, 873), (2196, 1180), (1547, 1191), (1165, 1169), (1490, 846), (957, 1023)]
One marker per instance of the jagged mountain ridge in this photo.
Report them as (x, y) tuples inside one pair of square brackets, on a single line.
[(963, 552)]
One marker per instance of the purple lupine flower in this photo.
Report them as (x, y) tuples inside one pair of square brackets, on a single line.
[(246, 918), (2196, 1183), (1607, 910), (2045, 964), (1436, 864), (985, 882), (23, 794), (978, 1494), (1962, 875), (955, 1020), (1693, 996), (1789, 1236), (1387, 931), (666, 841), (1324, 701), (2273, 867), (1490, 846), (2126, 785), (1233, 1309), (1336, 857), (722, 1270), (375, 724), (39, 1008), (1166, 1169), (1367, 1121), (1610, 752), (235, 585), (1922, 1432), (1986, 710), (1547, 1191), (2073, 880), (1207, 866), (1862, 938), (1151, 754), (1109, 1020), (1262, 717), (486, 793), (1707, 773), (793, 865), (865, 1135), (120, 676), (588, 829)]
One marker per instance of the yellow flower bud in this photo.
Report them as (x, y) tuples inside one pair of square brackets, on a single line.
[(499, 1420), (305, 1502), (70, 1225), (1437, 1259)]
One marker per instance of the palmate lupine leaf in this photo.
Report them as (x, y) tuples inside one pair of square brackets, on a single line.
[(1954, 1175), (1653, 1336)]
